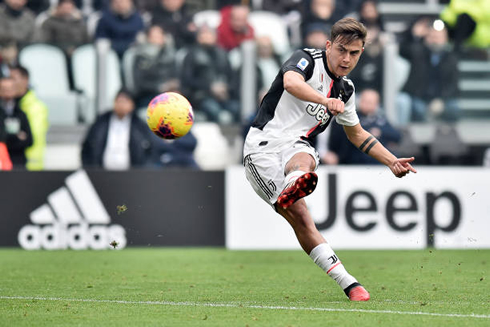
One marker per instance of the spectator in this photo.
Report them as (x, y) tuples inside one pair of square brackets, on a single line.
[(234, 27), (316, 36), (319, 12), (178, 153), (37, 115), (8, 57), (468, 23), (173, 17), (341, 149), (432, 86), (17, 128), (118, 139), (120, 23), (16, 22), (370, 67), (268, 62), (5, 162), (369, 15), (154, 69), (65, 27), (209, 80)]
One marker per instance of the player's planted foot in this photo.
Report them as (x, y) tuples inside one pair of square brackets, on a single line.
[(356, 292), (301, 187)]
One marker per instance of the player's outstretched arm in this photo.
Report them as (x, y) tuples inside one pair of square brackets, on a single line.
[(368, 144)]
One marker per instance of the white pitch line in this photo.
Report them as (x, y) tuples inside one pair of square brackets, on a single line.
[(248, 306)]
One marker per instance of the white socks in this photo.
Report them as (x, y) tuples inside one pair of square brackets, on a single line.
[(292, 176), (325, 258)]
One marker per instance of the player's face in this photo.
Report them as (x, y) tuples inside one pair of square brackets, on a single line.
[(341, 57)]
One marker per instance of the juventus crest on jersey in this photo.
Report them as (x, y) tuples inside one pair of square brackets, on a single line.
[(282, 118)]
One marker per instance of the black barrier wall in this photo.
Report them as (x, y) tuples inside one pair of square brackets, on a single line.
[(90, 209)]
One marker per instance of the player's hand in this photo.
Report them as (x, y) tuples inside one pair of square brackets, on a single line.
[(401, 167), (335, 106)]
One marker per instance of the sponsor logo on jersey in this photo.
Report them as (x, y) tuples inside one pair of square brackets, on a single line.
[(319, 112), (74, 217), (302, 64)]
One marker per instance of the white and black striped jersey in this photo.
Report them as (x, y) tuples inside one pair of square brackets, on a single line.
[(283, 119)]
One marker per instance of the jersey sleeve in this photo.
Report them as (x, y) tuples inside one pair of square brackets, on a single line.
[(349, 116), (300, 62)]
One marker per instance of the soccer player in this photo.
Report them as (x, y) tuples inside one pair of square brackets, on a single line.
[(279, 158)]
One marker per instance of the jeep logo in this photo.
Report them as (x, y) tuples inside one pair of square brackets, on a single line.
[(319, 112)]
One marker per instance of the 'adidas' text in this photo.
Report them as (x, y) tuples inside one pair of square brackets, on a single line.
[(74, 218)]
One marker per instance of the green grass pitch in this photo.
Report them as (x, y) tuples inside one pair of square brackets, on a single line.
[(216, 287)]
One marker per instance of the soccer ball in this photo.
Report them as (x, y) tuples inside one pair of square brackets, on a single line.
[(169, 115)]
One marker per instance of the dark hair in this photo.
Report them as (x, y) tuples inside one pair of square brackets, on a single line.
[(22, 70), (347, 30), (152, 26), (8, 42), (126, 93), (60, 2)]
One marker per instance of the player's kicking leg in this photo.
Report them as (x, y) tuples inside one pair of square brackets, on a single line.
[(298, 188), (301, 181)]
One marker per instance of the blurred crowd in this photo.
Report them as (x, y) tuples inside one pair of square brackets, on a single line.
[(173, 51)]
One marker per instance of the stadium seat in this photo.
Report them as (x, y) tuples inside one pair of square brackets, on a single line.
[(447, 148), (49, 78), (212, 151), (127, 68), (211, 18), (47, 67), (408, 147), (84, 65), (266, 23), (402, 68)]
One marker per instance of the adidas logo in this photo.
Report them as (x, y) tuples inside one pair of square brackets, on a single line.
[(74, 217), (320, 88)]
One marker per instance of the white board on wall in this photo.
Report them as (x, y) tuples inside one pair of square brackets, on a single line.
[(366, 207)]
